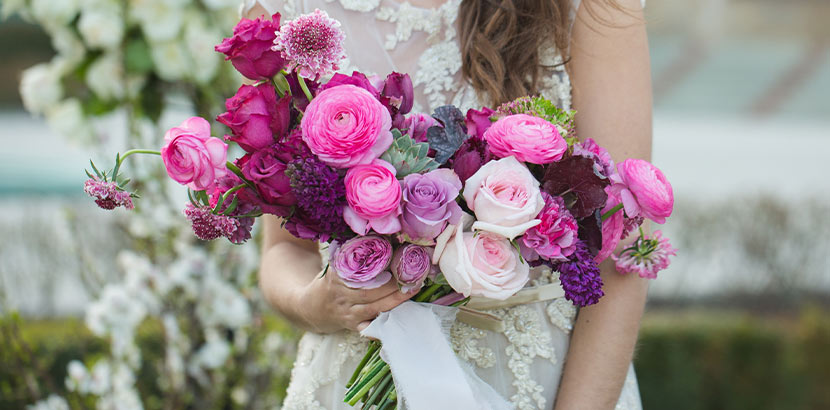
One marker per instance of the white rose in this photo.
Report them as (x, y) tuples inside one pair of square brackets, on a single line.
[(67, 118), (200, 41), (68, 45), (40, 86), (51, 12), (160, 20), (482, 264), (105, 77), (505, 198), (102, 27), (171, 60)]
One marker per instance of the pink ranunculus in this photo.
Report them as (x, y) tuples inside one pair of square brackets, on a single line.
[(255, 116), (505, 197), (644, 190), (555, 237), (528, 138), (417, 125), (612, 227), (192, 157), (346, 126), (428, 204), (249, 49), (373, 195), (483, 264), (411, 264), (363, 262)]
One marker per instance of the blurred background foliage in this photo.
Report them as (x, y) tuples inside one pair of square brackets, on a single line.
[(740, 321)]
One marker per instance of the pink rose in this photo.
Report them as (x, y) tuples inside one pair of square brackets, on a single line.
[(192, 157), (644, 190), (483, 264), (505, 198), (528, 138), (249, 49), (346, 126), (411, 264), (255, 116), (373, 195), (612, 228)]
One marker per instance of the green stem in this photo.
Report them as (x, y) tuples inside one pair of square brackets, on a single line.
[(374, 377), (423, 296), (281, 84), (303, 85), (139, 151), (380, 391), (233, 168), (612, 211), (373, 346)]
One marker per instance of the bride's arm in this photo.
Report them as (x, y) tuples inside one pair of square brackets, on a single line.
[(612, 94)]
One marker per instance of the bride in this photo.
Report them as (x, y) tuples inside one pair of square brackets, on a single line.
[(470, 53)]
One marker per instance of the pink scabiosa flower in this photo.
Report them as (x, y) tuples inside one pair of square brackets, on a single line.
[(646, 256), (107, 194), (312, 44), (208, 226), (555, 237)]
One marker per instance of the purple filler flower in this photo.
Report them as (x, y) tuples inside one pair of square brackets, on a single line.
[(428, 204), (312, 44), (107, 194), (321, 195), (411, 264), (362, 262), (580, 277)]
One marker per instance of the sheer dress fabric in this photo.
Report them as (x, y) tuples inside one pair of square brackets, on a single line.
[(524, 363)]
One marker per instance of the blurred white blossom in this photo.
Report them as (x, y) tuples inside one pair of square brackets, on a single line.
[(172, 60), (160, 20), (53, 402), (102, 27), (40, 86), (49, 12), (67, 118), (105, 77), (200, 40)]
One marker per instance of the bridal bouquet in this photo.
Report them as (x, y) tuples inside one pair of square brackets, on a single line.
[(451, 205)]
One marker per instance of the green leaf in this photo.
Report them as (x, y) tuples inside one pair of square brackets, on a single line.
[(232, 206), (137, 57)]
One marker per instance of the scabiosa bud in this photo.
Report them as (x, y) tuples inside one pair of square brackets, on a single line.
[(209, 226), (580, 277), (107, 194), (646, 257), (312, 44)]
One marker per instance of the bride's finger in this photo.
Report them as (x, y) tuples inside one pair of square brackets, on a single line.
[(371, 310), (366, 296)]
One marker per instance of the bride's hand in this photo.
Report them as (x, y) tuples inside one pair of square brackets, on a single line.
[(332, 306)]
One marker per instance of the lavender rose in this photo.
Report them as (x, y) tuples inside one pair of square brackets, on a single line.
[(362, 262), (249, 49), (255, 116), (428, 204), (411, 264)]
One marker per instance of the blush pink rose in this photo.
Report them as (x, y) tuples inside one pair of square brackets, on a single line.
[(192, 157), (346, 126), (528, 138), (482, 264), (373, 195), (644, 190), (505, 198)]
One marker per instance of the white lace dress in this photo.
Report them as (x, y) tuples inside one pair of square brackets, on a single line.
[(524, 362)]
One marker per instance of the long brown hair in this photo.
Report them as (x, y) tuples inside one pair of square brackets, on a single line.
[(500, 41)]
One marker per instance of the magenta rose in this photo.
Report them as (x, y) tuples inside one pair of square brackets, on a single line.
[(528, 138), (362, 262), (346, 126), (266, 169), (555, 238), (255, 116), (644, 190), (428, 204), (411, 264), (478, 121), (417, 125), (470, 157), (192, 157), (357, 79), (373, 195), (249, 49)]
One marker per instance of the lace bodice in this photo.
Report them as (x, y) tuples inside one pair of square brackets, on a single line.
[(383, 36)]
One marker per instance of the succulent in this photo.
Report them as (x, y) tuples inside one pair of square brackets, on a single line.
[(408, 156)]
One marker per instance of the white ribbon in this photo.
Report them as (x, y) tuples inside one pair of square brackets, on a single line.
[(427, 373)]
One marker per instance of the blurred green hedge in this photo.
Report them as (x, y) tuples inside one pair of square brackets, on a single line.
[(685, 360)]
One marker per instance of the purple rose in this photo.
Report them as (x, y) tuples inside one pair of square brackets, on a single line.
[(249, 49), (471, 156), (357, 79), (417, 125), (411, 264), (255, 116), (428, 204), (478, 121), (362, 262), (266, 169)]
